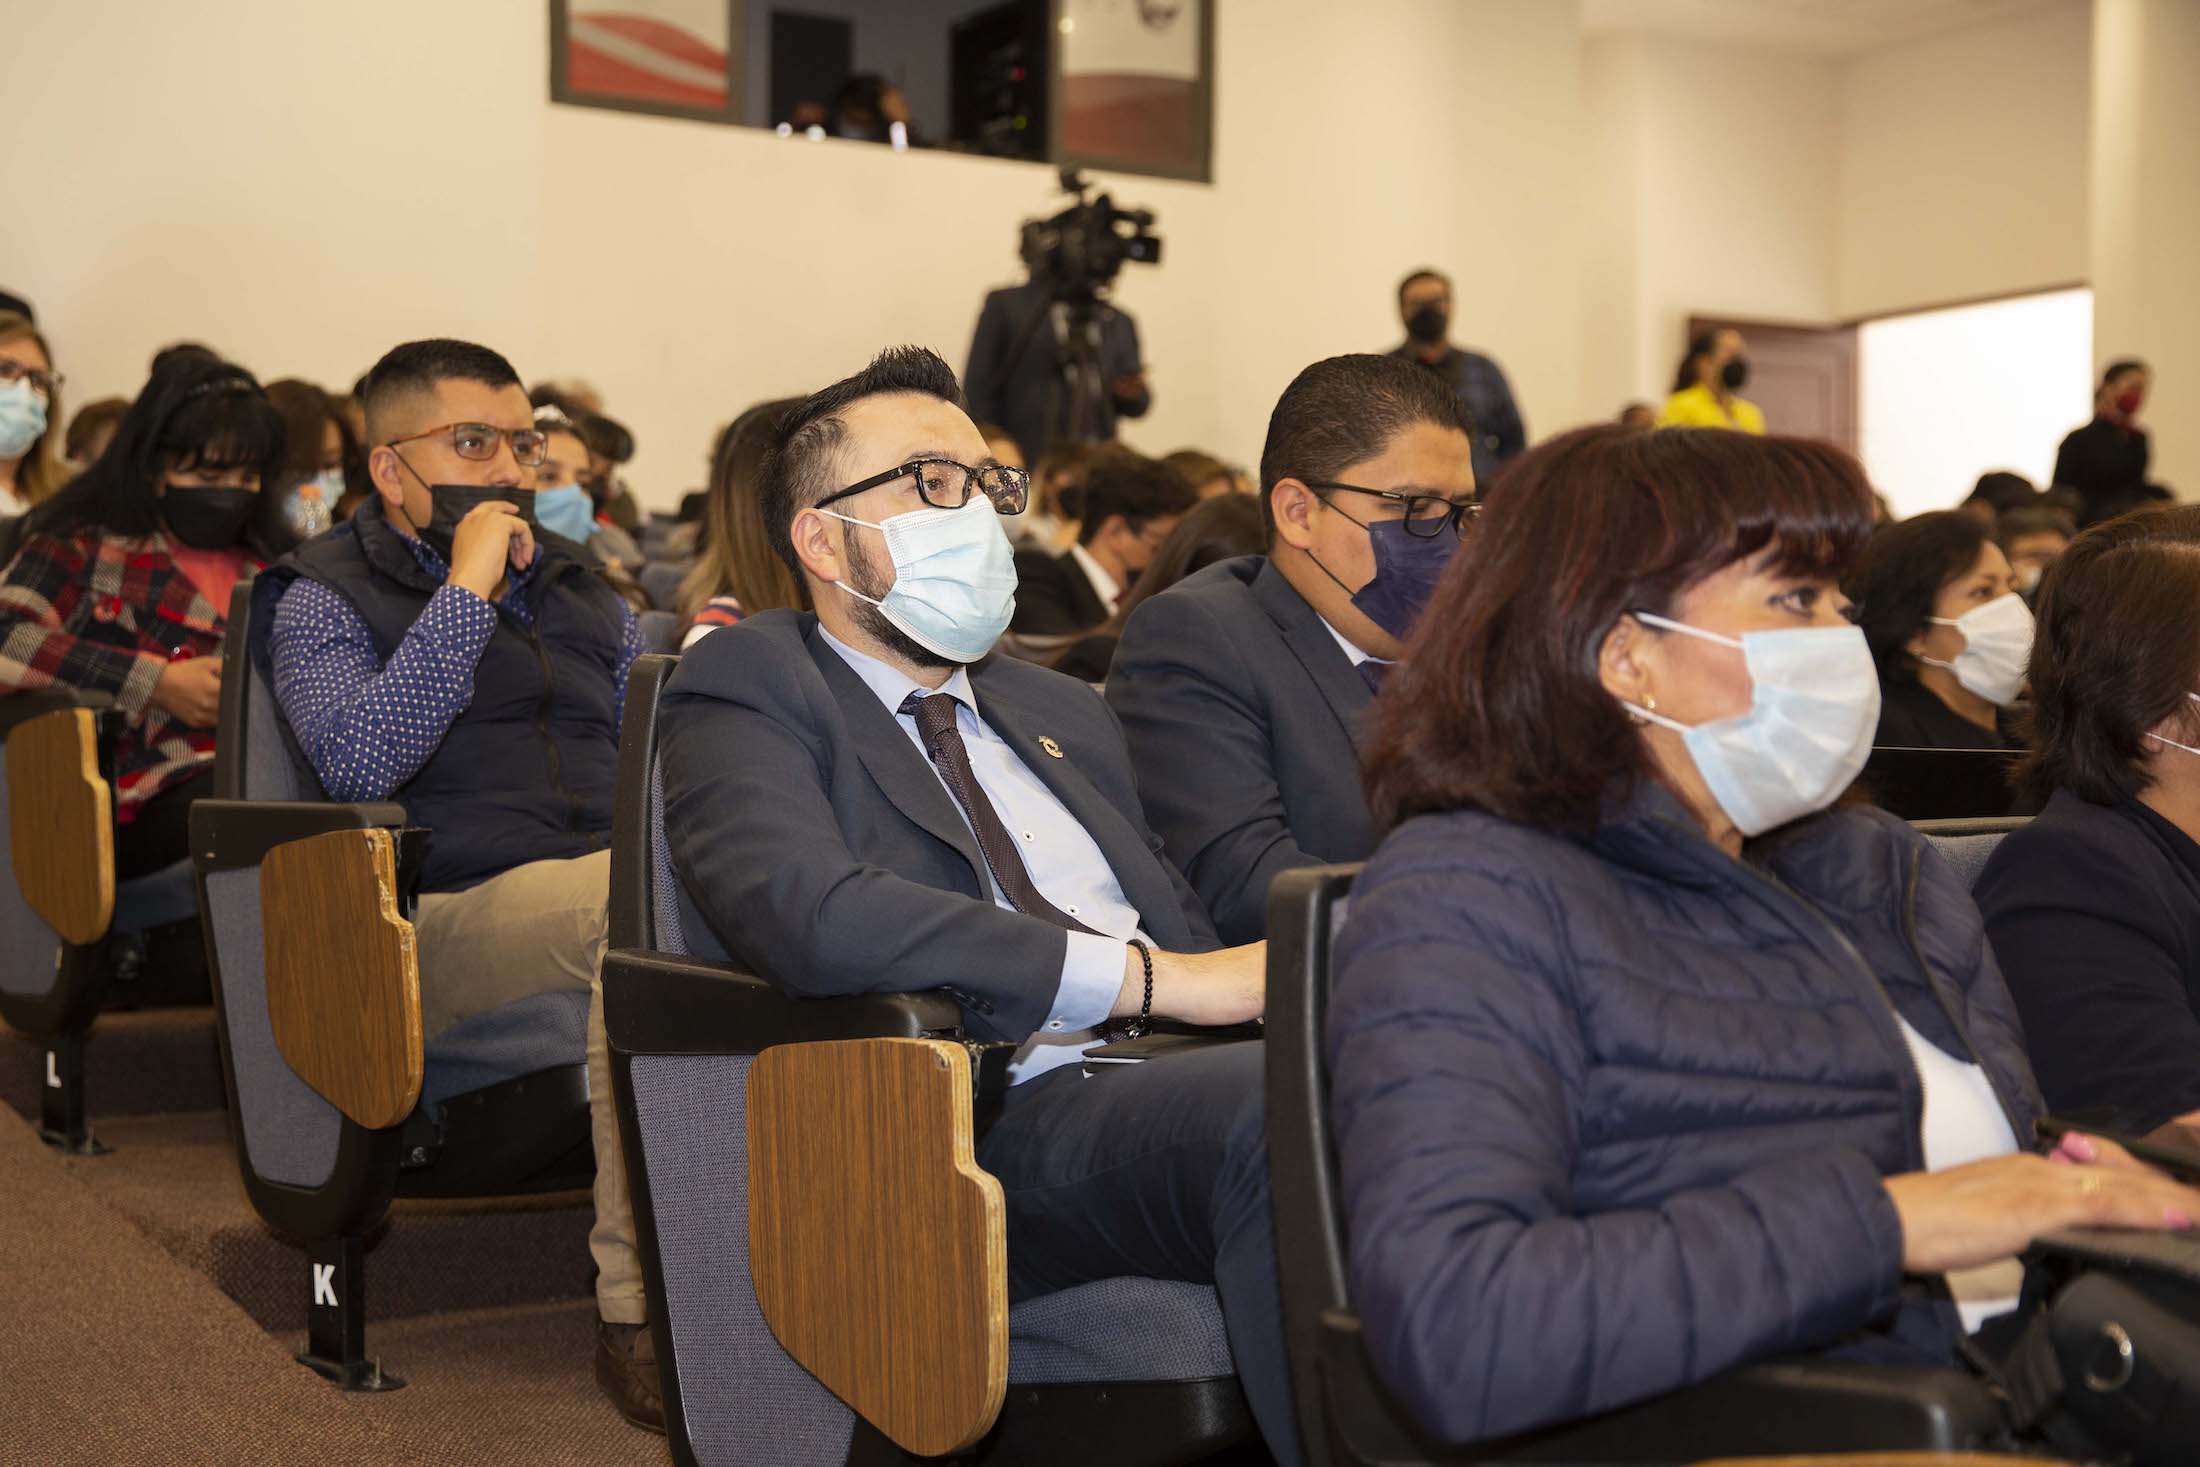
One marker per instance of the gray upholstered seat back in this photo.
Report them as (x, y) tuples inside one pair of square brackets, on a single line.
[(661, 631), (269, 772), (1968, 854), (30, 952)]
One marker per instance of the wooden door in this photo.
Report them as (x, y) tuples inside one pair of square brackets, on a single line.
[(1804, 377)]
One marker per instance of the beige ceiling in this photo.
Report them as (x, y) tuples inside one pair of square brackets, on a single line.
[(1822, 27)]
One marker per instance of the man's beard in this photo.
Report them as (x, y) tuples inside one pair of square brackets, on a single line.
[(872, 620)]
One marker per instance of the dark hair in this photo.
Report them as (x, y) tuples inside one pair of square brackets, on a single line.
[(606, 437), (1498, 705), (196, 411), (306, 411), (2003, 489), (1222, 528), (91, 420), (798, 464), (1700, 346), (2120, 366), (1423, 273), (1346, 410), (1198, 467), (423, 366), (1904, 568), (2116, 650), (1061, 456), (2034, 519), (1133, 486)]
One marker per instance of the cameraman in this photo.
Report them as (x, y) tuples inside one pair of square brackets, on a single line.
[(1023, 373)]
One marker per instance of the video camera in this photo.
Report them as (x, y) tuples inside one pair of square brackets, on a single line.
[(1077, 253)]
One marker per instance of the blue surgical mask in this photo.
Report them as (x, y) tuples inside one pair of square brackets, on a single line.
[(954, 577), (1407, 568), (566, 510), (22, 418)]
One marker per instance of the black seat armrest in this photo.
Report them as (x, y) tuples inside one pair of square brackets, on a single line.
[(1771, 1409), (660, 1003), (227, 835), (18, 708)]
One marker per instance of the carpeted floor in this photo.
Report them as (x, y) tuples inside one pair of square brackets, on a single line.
[(114, 1352)]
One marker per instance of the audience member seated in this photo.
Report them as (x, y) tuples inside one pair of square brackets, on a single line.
[(1217, 529), (91, 429), (2094, 907), (1645, 1064), (1057, 482), (610, 445), (2031, 538), (1950, 634), (1129, 504), (1002, 445), (311, 479), (30, 407), (864, 800), (1208, 475), (2106, 460), (1997, 492), (1243, 692), (1707, 386), (434, 652), (122, 580), (736, 569), (564, 507)]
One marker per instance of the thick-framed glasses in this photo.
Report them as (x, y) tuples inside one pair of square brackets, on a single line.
[(42, 382), (1427, 515), (946, 484), (478, 441)]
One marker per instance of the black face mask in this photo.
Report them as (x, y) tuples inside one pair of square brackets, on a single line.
[(453, 502), (1428, 324), (208, 519), (1735, 373)]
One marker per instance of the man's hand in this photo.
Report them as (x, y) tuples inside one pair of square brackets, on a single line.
[(190, 691), (1210, 989), (490, 538)]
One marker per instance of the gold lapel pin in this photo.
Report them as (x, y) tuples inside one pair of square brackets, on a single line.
[(1050, 746)]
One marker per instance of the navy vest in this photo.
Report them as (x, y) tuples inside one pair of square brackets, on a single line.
[(526, 772)]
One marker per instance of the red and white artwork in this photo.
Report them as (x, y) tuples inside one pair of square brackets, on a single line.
[(1131, 86), (667, 53)]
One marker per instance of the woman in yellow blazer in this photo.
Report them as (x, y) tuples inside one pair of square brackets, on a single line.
[(1705, 388)]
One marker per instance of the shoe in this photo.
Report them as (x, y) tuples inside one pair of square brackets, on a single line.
[(626, 1369)]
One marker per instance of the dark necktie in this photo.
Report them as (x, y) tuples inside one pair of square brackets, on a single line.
[(1372, 673), (935, 716)]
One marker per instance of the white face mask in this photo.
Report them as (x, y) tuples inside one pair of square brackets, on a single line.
[(1997, 645), (954, 577), (1813, 708), (2172, 742), (22, 417)]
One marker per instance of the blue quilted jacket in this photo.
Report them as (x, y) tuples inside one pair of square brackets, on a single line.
[(1612, 1113)]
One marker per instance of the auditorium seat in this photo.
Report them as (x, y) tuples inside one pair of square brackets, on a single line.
[(661, 631), (1967, 844), (1940, 784), (1120, 1372), (62, 912), (660, 581), (338, 1108), (1348, 1419)]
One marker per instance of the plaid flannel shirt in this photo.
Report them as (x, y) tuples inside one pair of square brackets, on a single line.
[(107, 614)]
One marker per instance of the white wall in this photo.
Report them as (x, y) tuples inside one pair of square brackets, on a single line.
[(303, 186), (1963, 164), (1947, 395)]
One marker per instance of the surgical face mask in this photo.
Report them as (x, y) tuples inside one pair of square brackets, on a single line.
[(954, 577), (1407, 568), (22, 418), (1997, 644), (208, 519), (2172, 742), (311, 507), (566, 510), (1813, 708), (2028, 578)]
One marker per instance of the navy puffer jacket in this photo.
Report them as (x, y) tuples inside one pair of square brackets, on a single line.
[(1612, 1113)]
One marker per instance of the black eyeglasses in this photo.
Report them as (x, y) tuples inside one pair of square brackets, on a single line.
[(44, 383), (946, 484), (478, 441), (1427, 515)]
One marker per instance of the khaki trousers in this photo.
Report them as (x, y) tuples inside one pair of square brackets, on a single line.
[(541, 928)]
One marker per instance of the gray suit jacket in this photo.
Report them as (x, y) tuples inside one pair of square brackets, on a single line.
[(1243, 716), (813, 838)]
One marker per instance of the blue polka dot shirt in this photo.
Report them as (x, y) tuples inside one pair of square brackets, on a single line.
[(367, 728)]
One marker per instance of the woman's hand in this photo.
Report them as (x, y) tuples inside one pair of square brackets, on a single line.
[(1989, 1210), (190, 691)]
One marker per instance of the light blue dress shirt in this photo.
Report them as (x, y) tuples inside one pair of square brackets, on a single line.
[(1065, 863)]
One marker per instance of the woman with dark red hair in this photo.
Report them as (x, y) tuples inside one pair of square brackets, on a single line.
[(1646, 1062)]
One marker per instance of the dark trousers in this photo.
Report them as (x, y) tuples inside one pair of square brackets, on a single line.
[(1157, 1170), (159, 832)]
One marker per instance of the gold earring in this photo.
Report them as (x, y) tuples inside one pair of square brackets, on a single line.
[(1649, 703)]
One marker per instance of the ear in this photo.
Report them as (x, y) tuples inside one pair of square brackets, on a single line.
[(387, 474), (817, 546), (1294, 505), (1624, 661), (1916, 645)]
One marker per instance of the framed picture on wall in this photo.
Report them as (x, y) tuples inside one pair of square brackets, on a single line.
[(673, 58), (1134, 86)]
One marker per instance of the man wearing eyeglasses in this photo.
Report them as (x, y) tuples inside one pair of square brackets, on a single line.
[(867, 799), (1244, 690), (440, 649)]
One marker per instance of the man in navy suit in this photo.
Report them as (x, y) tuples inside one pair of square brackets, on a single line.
[(1244, 689), (863, 799)]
